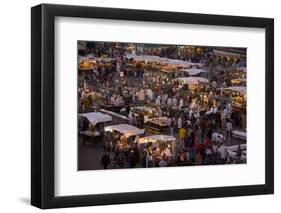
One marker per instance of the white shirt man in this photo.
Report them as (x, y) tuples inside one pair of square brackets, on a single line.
[(165, 97), (179, 123), (181, 103), (190, 113), (163, 101), (149, 94), (169, 102), (229, 126), (158, 101), (187, 156), (225, 113)]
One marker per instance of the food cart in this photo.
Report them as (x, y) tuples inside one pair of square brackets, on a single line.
[(194, 83)]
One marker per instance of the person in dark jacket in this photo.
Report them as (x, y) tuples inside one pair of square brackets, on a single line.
[(105, 160), (132, 159)]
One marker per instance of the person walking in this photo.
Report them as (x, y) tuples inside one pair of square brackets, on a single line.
[(228, 130), (172, 126), (180, 123), (182, 136), (105, 160), (239, 154)]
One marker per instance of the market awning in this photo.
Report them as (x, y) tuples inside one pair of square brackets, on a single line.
[(192, 80), (239, 134), (162, 60), (239, 79), (96, 117), (193, 71), (155, 138), (227, 54), (126, 129), (103, 59)]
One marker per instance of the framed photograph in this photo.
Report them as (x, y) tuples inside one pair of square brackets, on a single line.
[(140, 106)]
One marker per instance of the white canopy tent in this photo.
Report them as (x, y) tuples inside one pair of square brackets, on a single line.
[(126, 129), (239, 134), (162, 60), (192, 80), (91, 57), (103, 59), (193, 71), (96, 117), (226, 54)]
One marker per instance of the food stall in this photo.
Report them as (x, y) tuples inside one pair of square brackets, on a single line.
[(115, 104), (125, 131), (147, 111), (238, 95), (194, 83), (227, 55), (160, 63), (158, 123), (94, 130), (89, 62), (85, 65), (239, 82), (237, 73), (159, 145)]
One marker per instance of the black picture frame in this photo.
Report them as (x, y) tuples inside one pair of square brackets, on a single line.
[(43, 117)]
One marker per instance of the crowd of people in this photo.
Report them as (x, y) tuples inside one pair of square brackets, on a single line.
[(201, 124)]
